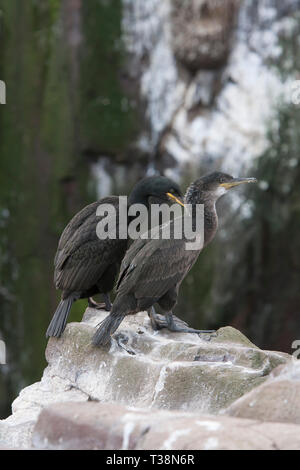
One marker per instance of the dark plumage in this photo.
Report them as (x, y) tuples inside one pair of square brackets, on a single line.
[(153, 269), (86, 265)]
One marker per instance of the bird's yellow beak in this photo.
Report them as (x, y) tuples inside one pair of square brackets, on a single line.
[(174, 198), (237, 182)]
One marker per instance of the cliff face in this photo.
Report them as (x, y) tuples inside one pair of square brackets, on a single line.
[(157, 390), (210, 73)]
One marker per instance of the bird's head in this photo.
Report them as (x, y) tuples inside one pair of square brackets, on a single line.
[(211, 187), (155, 189)]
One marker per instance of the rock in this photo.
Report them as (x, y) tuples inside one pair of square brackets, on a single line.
[(275, 400), (16, 430), (202, 90), (202, 31), (152, 370), (198, 69), (162, 369), (86, 426)]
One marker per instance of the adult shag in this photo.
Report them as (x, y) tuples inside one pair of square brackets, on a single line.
[(153, 269), (86, 265)]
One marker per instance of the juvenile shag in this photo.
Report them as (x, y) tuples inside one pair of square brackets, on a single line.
[(153, 269), (86, 265)]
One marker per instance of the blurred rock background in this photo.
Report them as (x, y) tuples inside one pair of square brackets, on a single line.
[(103, 92)]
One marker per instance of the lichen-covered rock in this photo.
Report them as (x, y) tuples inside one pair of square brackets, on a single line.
[(150, 370), (109, 426), (159, 369), (276, 400)]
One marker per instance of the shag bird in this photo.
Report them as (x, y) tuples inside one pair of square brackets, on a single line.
[(86, 265), (153, 269)]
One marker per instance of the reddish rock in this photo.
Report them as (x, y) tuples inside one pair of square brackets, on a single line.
[(276, 400), (113, 427)]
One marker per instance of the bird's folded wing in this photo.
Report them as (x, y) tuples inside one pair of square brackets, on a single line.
[(80, 230), (157, 266), (82, 258), (87, 264), (130, 254)]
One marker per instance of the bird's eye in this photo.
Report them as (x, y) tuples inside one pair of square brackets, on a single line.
[(172, 191)]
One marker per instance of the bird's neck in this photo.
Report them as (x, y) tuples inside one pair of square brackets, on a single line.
[(210, 215), (210, 221)]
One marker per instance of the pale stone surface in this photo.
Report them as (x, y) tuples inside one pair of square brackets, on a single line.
[(16, 430), (108, 426), (167, 370), (277, 399), (154, 370)]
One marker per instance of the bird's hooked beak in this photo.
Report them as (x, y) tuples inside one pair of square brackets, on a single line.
[(174, 198), (237, 182)]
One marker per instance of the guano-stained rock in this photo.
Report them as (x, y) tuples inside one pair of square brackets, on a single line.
[(153, 370)]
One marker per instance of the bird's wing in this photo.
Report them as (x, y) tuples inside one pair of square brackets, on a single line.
[(75, 223), (73, 233), (82, 257), (130, 254), (135, 247), (85, 267), (156, 267)]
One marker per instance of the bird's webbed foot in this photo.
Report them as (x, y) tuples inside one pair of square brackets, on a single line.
[(106, 305), (93, 304), (176, 325), (159, 321)]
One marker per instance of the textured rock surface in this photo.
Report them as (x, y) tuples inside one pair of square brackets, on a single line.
[(161, 369), (154, 370), (239, 43), (16, 430), (275, 400), (107, 426)]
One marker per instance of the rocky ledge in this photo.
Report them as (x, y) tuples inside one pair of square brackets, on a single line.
[(158, 390)]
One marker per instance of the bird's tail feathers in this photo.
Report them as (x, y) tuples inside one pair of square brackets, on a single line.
[(59, 320), (107, 327)]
